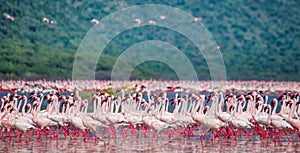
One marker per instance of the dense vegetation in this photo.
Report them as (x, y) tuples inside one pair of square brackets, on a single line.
[(261, 39)]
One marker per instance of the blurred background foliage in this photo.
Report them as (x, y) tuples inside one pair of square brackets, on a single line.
[(261, 38)]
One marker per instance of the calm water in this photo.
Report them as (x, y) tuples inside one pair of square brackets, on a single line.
[(149, 144)]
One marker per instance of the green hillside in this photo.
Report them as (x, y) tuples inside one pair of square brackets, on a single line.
[(261, 39)]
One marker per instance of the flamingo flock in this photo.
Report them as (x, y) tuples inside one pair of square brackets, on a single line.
[(44, 86), (148, 112)]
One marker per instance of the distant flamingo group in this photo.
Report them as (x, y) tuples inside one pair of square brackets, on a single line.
[(146, 111), (265, 87)]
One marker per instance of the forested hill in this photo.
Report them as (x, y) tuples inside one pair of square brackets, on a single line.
[(261, 39)]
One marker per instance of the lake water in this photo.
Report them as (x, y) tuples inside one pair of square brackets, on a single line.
[(177, 145), (150, 144)]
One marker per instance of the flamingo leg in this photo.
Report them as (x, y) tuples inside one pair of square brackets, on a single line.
[(212, 136), (229, 132), (275, 136), (191, 131), (247, 134), (123, 131), (184, 132), (144, 130), (56, 133), (264, 133), (9, 135), (170, 136), (280, 134), (234, 132), (287, 137), (20, 136), (66, 131), (40, 132), (28, 135)]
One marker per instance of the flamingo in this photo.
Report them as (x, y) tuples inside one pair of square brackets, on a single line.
[(7, 121), (157, 125), (294, 122), (8, 16), (185, 117), (224, 116), (218, 48), (77, 121), (240, 123), (279, 124), (261, 117), (152, 22), (210, 120), (47, 20), (196, 20), (162, 17), (23, 125), (198, 115), (42, 121), (90, 123), (114, 118), (137, 21), (94, 21)]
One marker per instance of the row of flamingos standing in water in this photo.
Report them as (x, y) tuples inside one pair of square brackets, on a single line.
[(150, 114), (268, 87)]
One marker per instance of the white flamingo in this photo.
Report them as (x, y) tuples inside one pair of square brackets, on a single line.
[(94, 21)]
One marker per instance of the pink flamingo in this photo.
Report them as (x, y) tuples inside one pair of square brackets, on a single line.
[(47, 20), (240, 123), (294, 122), (279, 124), (211, 121), (90, 123), (8, 16)]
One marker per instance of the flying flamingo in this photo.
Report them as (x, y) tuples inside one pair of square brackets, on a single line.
[(137, 21), (47, 20), (218, 48), (8, 16), (162, 17), (152, 22), (95, 21), (196, 20)]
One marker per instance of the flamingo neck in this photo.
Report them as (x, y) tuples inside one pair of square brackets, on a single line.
[(275, 107), (292, 110), (19, 106), (23, 108), (94, 103), (86, 108)]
